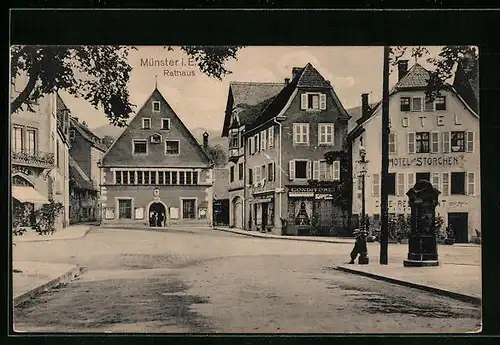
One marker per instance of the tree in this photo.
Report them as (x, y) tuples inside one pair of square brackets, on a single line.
[(99, 74), (218, 155)]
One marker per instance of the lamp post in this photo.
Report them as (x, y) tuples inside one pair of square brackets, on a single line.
[(363, 255)]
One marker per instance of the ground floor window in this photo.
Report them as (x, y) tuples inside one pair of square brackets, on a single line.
[(125, 209)]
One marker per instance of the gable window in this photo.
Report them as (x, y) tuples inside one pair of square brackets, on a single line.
[(301, 133), (172, 147), (458, 183), (240, 171), (300, 169), (325, 133), (140, 146), (422, 142), (146, 123), (457, 141), (440, 103), (156, 107), (313, 101), (405, 104), (165, 124)]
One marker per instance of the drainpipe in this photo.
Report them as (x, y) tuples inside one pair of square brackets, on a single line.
[(279, 169)]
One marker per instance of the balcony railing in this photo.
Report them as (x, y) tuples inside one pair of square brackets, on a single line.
[(33, 158)]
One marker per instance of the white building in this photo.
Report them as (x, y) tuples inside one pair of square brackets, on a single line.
[(437, 141)]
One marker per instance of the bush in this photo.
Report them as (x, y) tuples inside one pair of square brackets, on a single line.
[(18, 218), (46, 217)]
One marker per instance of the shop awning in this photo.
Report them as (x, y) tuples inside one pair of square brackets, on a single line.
[(28, 194), (261, 201)]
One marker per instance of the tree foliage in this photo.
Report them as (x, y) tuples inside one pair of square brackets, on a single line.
[(99, 74), (218, 155)]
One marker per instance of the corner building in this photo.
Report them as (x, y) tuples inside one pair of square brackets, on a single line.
[(437, 141)]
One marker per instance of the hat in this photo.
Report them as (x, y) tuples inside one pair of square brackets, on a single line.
[(356, 231)]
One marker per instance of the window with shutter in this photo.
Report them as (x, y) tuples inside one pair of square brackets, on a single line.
[(303, 101), (336, 170), (376, 185), (291, 169), (446, 142), (470, 141), (429, 105), (401, 184), (270, 137), (308, 170), (257, 143), (316, 170), (301, 133), (470, 184), (445, 183), (410, 180), (258, 175), (325, 133), (411, 142), (435, 180), (434, 142), (263, 140), (392, 142), (322, 101)]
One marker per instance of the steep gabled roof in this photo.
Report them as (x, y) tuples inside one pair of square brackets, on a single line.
[(247, 95), (156, 95), (467, 83), (78, 176), (88, 135), (308, 77), (417, 77)]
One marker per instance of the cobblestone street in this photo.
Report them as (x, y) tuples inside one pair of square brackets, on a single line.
[(201, 280)]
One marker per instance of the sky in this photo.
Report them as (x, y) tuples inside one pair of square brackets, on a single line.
[(200, 100)]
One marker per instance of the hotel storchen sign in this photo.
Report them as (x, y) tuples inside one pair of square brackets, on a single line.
[(427, 161)]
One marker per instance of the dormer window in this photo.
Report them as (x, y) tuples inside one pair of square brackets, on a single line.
[(165, 124), (155, 139), (313, 101), (156, 107), (146, 123)]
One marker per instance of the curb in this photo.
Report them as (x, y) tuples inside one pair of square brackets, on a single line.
[(434, 290), (65, 278), (45, 239), (305, 239)]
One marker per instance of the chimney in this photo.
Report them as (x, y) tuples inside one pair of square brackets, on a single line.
[(287, 81), (205, 140), (402, 69), (75, 118), (296, 71), (365, 107)]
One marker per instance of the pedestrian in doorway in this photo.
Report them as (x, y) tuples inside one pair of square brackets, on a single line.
[(151, 218), (357, 245), (160, 219)]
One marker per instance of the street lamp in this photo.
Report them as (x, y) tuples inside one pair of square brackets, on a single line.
[(363, 255)]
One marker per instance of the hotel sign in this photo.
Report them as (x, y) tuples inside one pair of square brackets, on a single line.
[(427, 161)]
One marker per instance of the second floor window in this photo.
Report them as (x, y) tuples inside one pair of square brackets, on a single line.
[(325, 133), (300, 169), (17, 139), (301, 133), (422, 142), (240, 171), (457, 183), (392, 142), (231, 174), (457, 141), (172, 147), (234, 140), (140, 146)]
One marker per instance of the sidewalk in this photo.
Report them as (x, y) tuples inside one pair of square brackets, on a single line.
[(69, 233), (30, 278), (280, 237), (457, 281)]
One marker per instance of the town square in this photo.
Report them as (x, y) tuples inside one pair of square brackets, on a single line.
[(227, 189)]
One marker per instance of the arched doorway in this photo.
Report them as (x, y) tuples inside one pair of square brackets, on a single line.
[(237, 208), (157, 214)]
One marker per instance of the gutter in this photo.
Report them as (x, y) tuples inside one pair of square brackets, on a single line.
[(279, 167)]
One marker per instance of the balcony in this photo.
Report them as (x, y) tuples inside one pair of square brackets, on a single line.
[(235, 153), (33, 158)]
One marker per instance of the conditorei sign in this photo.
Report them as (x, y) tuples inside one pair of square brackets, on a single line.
[(427, 161), (310, 192)]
